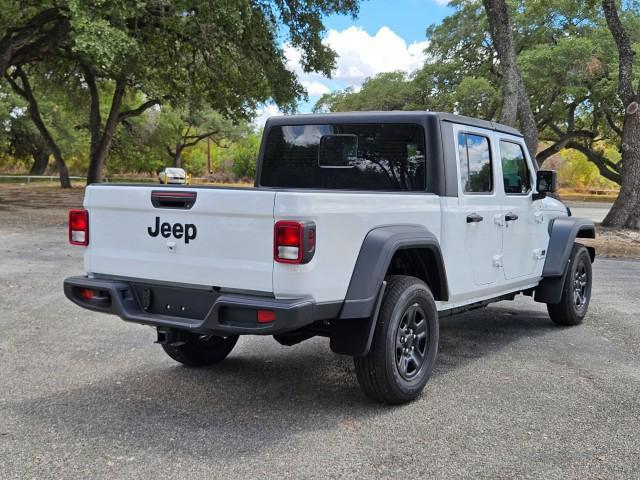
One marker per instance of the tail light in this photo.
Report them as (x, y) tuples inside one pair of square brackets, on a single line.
[(294, 242), (79, 227)]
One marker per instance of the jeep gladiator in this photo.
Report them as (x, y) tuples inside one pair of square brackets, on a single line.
[(365, 228)]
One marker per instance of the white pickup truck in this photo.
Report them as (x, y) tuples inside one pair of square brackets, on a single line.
[(362, 227)]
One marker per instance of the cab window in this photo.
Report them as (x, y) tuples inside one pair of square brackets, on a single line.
[(475, 163), (377, 157), (516, 176)]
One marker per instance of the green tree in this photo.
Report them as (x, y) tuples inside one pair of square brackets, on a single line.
[(245, 154), (183, 128), (18, 137), (386, 91), (227, 54)]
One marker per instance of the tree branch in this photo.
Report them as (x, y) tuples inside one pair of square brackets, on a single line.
[(38, 36), (612, 123), (606, 167), (199, 138), (561, 143), (138, 110)]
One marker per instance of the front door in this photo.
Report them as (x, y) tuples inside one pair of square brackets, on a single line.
[(522, 243)]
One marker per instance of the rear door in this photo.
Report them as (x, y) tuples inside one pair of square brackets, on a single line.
[(223, 239), (479, 205)]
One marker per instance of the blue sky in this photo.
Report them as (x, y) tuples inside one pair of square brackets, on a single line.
[(388, 35), (408, 18)]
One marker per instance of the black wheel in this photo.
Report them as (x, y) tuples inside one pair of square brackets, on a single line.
[(576, 291), (405, 343), (201, 350)]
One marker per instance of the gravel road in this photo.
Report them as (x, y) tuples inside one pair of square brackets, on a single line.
[(84, 395)]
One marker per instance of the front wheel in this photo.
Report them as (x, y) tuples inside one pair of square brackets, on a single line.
[(404, 345), (201, 350), (576, 291)]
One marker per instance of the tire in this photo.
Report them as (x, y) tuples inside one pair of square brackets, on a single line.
[(201, 350), (392, 372), (576, 291)]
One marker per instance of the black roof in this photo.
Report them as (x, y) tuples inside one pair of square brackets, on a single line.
[(399, 116)]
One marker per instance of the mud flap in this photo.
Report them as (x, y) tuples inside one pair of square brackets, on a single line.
[(354, 336)]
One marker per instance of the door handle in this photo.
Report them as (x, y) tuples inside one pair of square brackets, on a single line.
[(510, 217), (474, 218)]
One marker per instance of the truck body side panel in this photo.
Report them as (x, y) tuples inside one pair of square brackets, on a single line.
[(343, 220)]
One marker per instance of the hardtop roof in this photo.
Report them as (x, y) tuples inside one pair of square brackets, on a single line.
[(400, 116)]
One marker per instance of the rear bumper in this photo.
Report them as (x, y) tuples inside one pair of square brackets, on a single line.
[(199, 311)]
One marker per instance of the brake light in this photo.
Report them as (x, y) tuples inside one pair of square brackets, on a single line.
[(79, 227), (294, 242)]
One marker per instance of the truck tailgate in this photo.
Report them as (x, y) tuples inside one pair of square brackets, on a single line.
[(224, 240)]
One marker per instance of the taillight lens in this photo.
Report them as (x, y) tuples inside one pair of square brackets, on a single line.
[(266, 316), (294, 242), (79, 227)]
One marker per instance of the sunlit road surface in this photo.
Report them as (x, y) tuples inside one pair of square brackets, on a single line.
[(595, 211), (86, 395)]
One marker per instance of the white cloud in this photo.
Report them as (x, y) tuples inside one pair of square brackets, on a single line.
[(315, 88), (444, 3), (360, 55), (263, 113)]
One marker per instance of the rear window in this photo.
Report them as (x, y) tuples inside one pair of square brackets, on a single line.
[(348, 157)]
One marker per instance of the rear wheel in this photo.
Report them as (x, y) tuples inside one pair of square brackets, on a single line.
[(405, 343), (576, 291), (201, 350)]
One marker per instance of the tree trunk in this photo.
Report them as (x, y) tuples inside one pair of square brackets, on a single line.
[(626, 209), (101, 138), (40, 161), (500, 29), (177, 156), (34, 113), (528, 123), (515, 102)]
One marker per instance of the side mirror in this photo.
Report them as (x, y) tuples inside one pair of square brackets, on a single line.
[(546, 182)]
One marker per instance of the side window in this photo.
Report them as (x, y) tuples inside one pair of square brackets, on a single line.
[(516, 176), (475, 163)]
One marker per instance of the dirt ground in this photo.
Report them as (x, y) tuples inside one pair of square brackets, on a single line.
[(47, 205)]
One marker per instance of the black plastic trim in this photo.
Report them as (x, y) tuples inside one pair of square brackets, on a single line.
[(173, 199), (449, 160), (373, 261), (354, 336), (563, 232), (228, 313)]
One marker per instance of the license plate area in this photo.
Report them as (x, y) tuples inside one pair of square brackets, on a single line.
[(174, 301)]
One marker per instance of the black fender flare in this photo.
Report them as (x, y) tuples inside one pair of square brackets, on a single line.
[(353, 330), (563, 232)]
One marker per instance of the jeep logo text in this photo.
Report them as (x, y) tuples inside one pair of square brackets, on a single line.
[(178, 230)]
